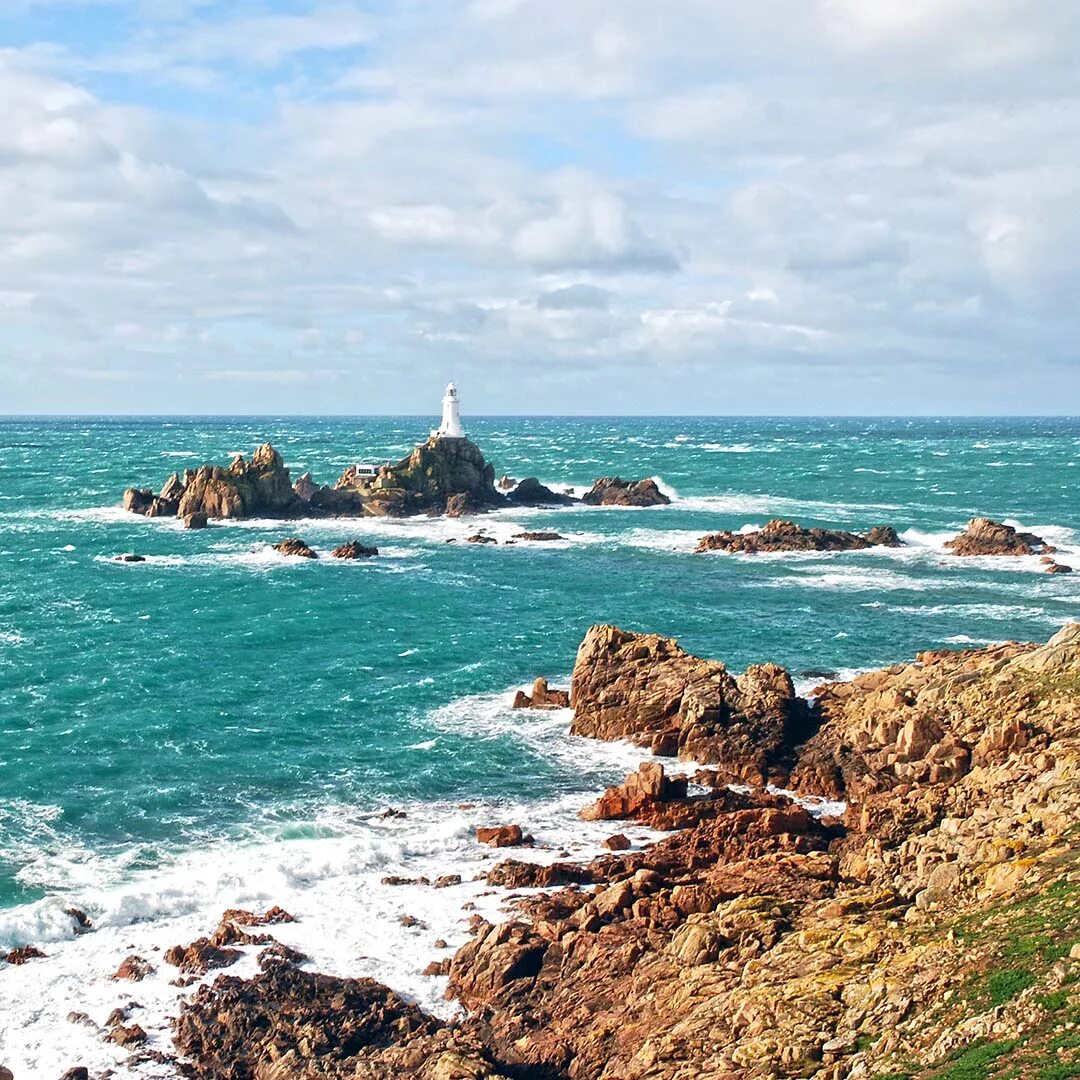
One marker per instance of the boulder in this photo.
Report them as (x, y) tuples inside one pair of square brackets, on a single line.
[(614, 491), (462, 505), (646, 688), (480, 538), (80, 1072), (305, 488), (641, 790), (502, 836), (353, 549), (986, 537), (201, 956), (133, 968), (138, 500), (542, 697), (530, 492), (196, 520), (130, 557), (1059, 568), (23, 955), (780, 535), (294, 546), (617, 842)]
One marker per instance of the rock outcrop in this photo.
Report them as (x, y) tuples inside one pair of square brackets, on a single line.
[(530, 492), (780, 535), (646, 688), (439, 476), (985, 537), (932, 932), (294, 546), (542, 697), (353, 549), (614, 491)]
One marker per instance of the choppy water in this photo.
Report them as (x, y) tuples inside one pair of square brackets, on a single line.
[(219, 723)]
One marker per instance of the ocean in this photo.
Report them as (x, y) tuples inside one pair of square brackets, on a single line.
[(221, 726)]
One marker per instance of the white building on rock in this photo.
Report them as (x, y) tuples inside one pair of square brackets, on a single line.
[(450, 428)]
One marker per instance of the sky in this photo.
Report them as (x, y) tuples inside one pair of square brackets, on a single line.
[(566, 206)]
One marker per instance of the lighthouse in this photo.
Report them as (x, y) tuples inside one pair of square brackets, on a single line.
[(450, 428)]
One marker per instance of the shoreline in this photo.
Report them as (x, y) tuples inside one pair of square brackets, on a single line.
[(783, 847)]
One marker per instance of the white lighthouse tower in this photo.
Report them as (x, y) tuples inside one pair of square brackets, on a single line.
[(450, 428)]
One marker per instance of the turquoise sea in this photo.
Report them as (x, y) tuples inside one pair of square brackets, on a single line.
[(171, 729)]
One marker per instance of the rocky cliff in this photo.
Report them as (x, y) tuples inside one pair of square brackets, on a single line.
[(931, 934)]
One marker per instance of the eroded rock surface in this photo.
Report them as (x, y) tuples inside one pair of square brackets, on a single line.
[(614, 491), (780, 535), (986, 537)]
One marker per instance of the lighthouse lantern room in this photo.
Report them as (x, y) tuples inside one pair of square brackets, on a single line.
[(450, 428)]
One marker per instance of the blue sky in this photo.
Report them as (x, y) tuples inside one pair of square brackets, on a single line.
[(823, 206)]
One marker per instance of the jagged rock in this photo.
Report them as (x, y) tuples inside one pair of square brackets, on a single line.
[(542, 697), (505, 483), (462, 505), (80, 1072), (260, 486), (1059, 568), (646, 688), (138, 500), (201, 956), (273, 916), (24, 954), (502, 836), (614, 491), (640, 791), (134, 968), (539, 536), (780, 535), (305, 488), (127, 1035), (530, 492), (617, 842), (196, 520), (83, 925), (294, 546), (353, 549), (480, 538), (986, 537), (279, 955)]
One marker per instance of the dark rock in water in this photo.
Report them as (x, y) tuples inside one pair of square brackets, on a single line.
[(542, 697), (505, 483), (6, 1074), (480, 538), (614, 491), (279, 955), (461, 505), (80, 1072), (353, 549), (537, 536), (639, 686), (130, 558), (83, 924), (129, 1035), (1059, 568), (530, 492), (986, 537), (780, 535), (196, 520), (821, 676), (138, 500), (293, 545), (24, 954)]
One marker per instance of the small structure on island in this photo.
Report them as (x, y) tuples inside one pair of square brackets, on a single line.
[(450, 428)]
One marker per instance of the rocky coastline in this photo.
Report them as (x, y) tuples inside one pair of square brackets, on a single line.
[(933, 923)]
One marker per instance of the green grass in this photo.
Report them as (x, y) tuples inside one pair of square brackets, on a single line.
[(1003, 986), (973, 1062)]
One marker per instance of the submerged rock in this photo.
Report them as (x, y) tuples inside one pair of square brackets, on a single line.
[(986, 537), (614, 491), (539, 536), (780, 535)]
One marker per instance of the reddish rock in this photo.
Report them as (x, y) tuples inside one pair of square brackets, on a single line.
[(354, 550), (986, 537), (447, 880), (646, 688), (542, 697), (134, 968), (618, 842), (24, 954), (294, 546), (83, 925), (502, 836), (196, 520), (1059, 568), (271, 917), (614, 491), (127, 1035), (278, 955), (780, 535), (438, 967), (201, 956)]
